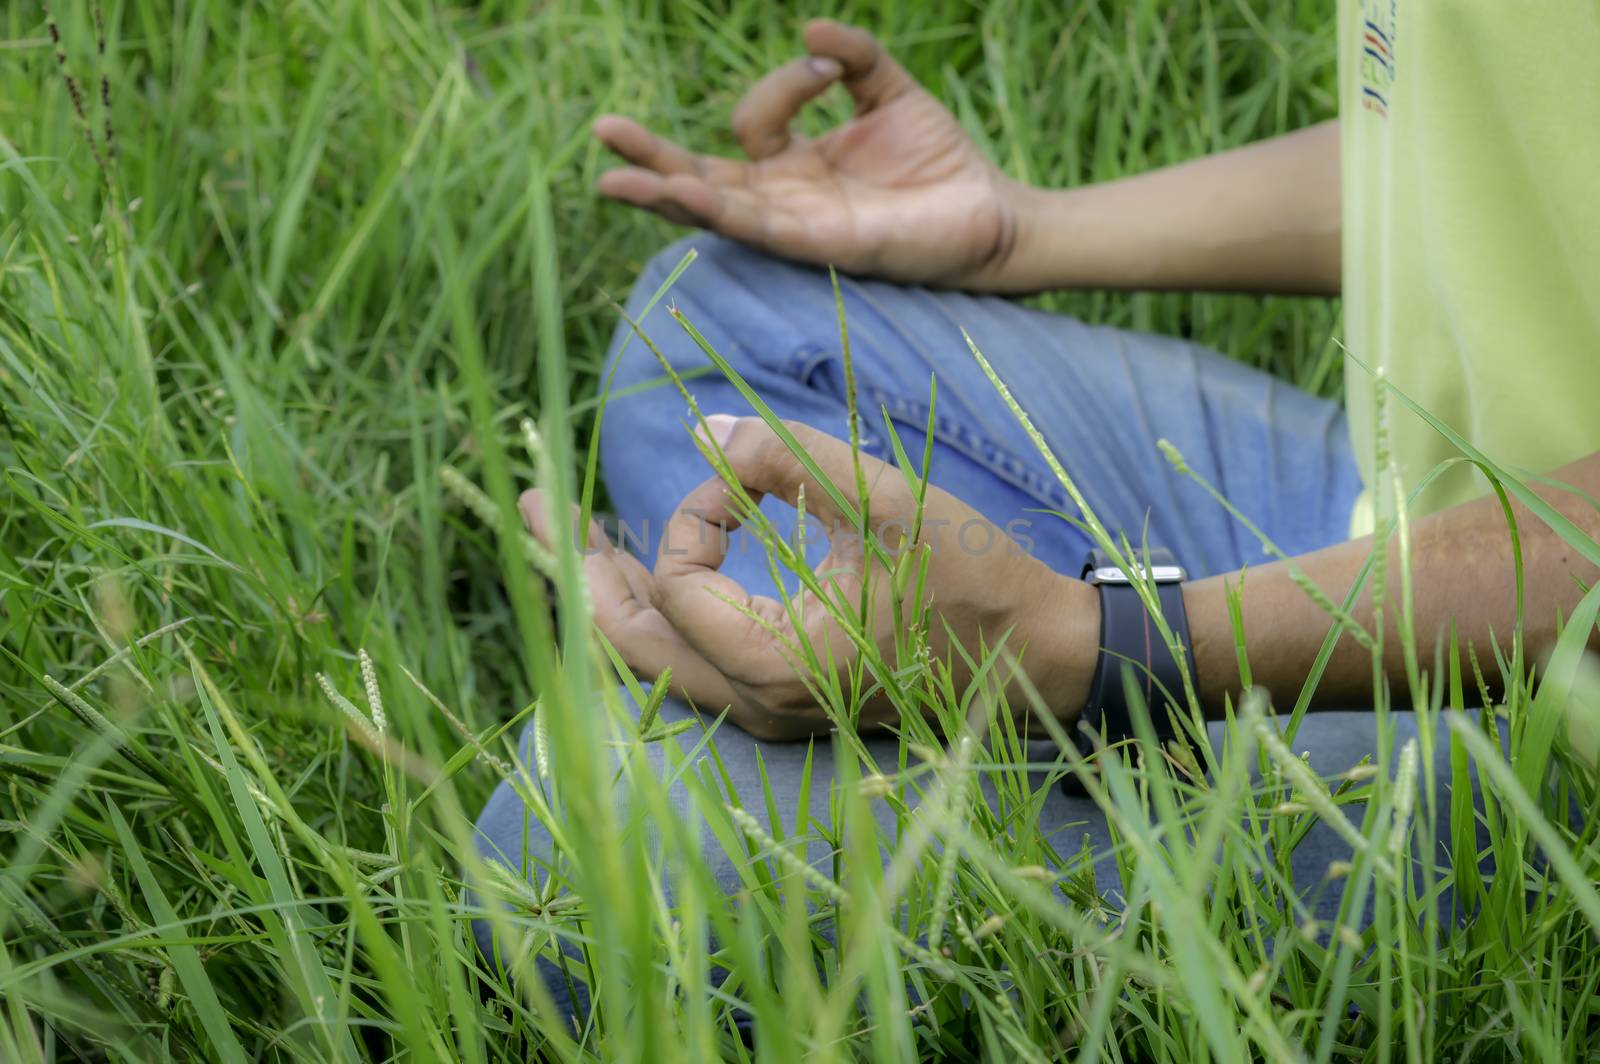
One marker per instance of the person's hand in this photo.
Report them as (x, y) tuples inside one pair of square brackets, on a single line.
[(727, 647), (899, 191)]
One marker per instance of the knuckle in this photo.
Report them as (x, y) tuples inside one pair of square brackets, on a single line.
[(789, 695), (746, 124), (752, 673), (756, 726), (779, 720), (768, 673), (766, 728), (775, 679), (661, 597), (771, 453)]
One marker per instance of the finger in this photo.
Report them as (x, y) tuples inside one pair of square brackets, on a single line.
[(761, 119), (635, 578), (870, 73), (647, 189), (734, 212), (614, 592), (643, 148), (615, 599), (619, 591), (752, 638), (749, 638), (535, 511), (764, 464), (649, 645)]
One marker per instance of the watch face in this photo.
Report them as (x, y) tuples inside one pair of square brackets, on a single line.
[(1161, 574), (1100, 568)]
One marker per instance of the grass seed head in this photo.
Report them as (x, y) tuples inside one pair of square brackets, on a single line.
[(348, 708), (369, 680)]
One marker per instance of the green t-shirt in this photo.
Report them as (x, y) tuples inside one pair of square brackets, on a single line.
[(1471, 174)]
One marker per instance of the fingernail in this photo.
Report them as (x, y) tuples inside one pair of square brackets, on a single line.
[(527, 506), (721, 426), (825, 68)]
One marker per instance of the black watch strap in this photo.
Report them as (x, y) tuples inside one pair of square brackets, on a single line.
[(1128, 637)]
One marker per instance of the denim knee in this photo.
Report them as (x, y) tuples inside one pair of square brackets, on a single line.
[(754, 309), (695, 288)]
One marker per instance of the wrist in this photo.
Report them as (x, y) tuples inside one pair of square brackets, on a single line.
[(1062, 637), (1018, 265), (1050, 240)]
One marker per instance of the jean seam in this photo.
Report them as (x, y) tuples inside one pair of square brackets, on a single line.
[(806, 358)]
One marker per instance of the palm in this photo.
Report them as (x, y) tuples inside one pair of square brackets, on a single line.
[(899, 191)]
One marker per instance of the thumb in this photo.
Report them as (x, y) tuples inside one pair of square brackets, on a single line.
[(870, 73), (796, 458)]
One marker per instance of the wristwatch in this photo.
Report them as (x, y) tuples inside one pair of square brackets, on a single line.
[(1129, 639)]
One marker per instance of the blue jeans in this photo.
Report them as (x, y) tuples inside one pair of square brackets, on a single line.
[(1101, 397)]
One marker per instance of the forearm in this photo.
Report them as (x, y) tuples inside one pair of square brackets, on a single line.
[(1262, 218), (1462, 573)]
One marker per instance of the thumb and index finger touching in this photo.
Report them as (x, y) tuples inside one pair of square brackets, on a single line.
[(718, 193), (763, 463), (710, 608), (836, 52), (869, 72)]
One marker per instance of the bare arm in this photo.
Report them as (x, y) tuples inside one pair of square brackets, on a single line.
[(1262, 218), (1461, 571), (901, 192)]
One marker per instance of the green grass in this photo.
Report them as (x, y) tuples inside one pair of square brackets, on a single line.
[(332, 246)]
